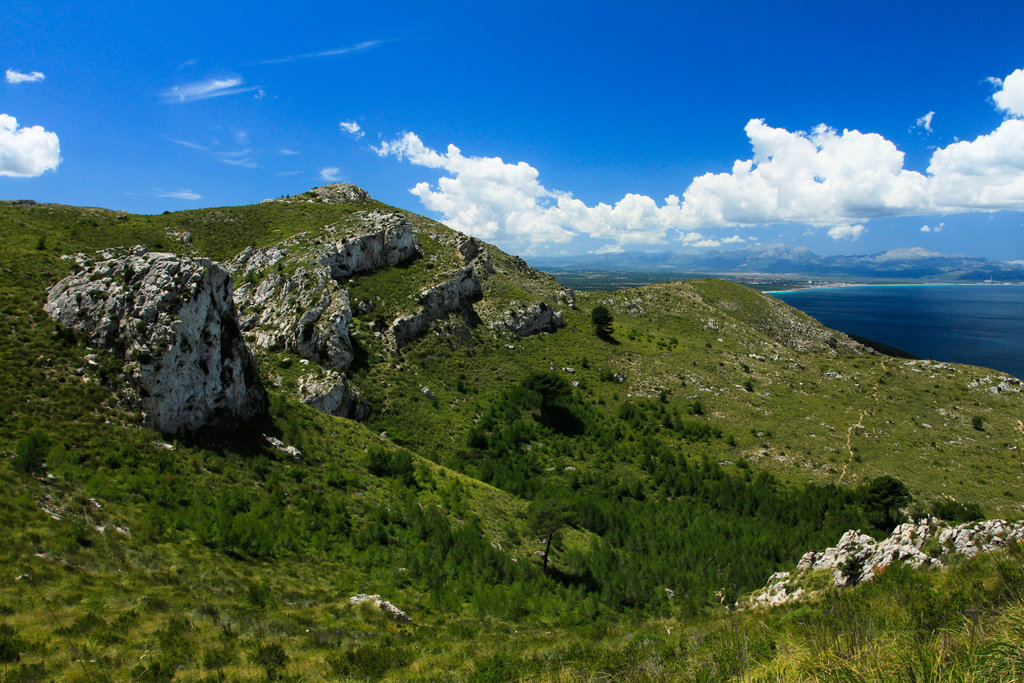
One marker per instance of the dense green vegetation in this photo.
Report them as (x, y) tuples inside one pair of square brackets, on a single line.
[(565, 506)]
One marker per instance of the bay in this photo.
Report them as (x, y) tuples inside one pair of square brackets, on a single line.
[(974, 324)]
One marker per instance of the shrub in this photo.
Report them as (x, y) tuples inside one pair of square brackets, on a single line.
[(10, 644), (31, 450), (602, 319), (272, 657), (952, 511)]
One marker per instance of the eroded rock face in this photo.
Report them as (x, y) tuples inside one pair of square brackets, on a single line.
[(391, 241), (438, 302), (173, 319), (306, 313), (530, 320)]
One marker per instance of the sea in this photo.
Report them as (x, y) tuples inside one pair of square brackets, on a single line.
[(974, 324)]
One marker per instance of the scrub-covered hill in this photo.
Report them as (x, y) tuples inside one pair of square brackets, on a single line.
[(220, 425)]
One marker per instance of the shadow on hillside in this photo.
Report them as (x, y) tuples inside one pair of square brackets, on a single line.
[(585, 580)]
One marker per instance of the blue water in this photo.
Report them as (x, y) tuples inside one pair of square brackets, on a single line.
[(976, 324)]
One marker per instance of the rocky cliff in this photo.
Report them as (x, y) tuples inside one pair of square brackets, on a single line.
[(172, 318)]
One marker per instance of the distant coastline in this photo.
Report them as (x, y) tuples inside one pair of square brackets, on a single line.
[(847, 285)]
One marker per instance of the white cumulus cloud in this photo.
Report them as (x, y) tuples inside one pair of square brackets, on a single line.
[(1010, 98), (925, 121), (352, 128), (822, 178), (26, 152), (18, 77), (330, 173), (846, 232)]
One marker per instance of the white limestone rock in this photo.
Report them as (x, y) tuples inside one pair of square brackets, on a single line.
[(454, 296), (528, 320), (329, 392), (390, 239), (858, 557), (383, 605), (305, 313), (173, 319)]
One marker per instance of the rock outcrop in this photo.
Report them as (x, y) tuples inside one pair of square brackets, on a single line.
[(858, 557), (331, 393), (391, 240), (335, 193), (529, 320), (305, 313), (438, 302), (380, 603), (173, 319), (475, 253)]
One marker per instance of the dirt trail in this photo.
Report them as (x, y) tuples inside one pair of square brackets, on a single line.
[(859, 424)]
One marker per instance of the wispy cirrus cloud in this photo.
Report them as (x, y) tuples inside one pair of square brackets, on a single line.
[(188, 195), (189, 144), (18, 77), (358, 47), (233, 157), (330, 173), (204, 90), (238, 157)]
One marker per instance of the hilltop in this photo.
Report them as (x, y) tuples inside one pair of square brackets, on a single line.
[(221, 424)]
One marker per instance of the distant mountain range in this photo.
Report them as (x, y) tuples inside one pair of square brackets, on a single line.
[(913, 263)]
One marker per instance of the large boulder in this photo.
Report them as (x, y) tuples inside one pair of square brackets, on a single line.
[(173, 320)]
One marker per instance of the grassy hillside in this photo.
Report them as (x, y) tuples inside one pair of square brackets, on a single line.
[(709, 441)]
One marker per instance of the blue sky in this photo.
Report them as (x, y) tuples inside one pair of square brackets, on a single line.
[(545, 127)]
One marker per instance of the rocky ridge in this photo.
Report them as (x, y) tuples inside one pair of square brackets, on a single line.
[(334, 193), (173, 320), (859, 557)]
